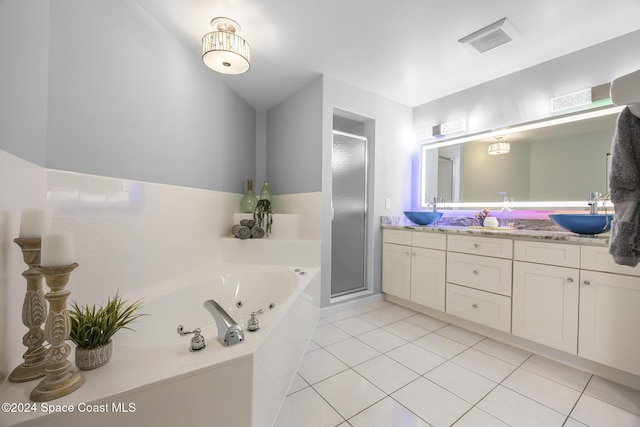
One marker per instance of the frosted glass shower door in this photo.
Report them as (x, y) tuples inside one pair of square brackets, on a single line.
[(348, 234)]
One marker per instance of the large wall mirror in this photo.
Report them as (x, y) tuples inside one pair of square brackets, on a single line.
[(554, 163)]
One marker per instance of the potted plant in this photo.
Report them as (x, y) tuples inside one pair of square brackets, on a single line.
[(263, 215), (482, 215), (92, 329)]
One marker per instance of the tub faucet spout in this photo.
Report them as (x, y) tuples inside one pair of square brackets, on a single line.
[(229, 332)]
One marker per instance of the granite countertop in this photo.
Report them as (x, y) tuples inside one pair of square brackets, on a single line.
[(517, 233)]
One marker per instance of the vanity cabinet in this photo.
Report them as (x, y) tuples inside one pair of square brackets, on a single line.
[(546, 280), (609, 311), (413, 266), (479, 280)]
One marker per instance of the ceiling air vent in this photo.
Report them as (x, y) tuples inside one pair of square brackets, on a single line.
[(491, 36)]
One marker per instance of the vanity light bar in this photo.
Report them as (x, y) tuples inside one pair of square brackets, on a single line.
[(529, 126), (554, 204), (572, 100)]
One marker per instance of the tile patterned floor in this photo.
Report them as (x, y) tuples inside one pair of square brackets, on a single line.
[(382, 365)]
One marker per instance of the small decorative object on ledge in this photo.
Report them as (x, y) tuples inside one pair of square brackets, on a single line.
[(59, 379), (247, 229), (248, 202), (34, 312), (265, 193), (263, 215), (484, 213), (92, 329)]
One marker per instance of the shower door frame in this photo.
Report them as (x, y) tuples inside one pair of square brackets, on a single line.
[(365, 244)]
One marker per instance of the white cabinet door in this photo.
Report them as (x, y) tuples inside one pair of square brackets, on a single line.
[(427, 277), (396, 270), (609, 320), (545, 305)]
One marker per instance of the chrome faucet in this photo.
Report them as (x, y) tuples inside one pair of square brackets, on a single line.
[(593, 202), (434, 203), (229, 332)]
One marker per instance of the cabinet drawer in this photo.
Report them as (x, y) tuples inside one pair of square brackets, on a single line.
[(487, 246), (429, 240), (484, 273), (559, 254), (481, 307), (598, 258), (398, 237)]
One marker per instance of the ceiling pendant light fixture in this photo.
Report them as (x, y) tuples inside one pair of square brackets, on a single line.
[(223, 50), (499, 147)]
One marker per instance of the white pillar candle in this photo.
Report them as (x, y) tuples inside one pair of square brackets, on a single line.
[(33, 223), (56, 250)]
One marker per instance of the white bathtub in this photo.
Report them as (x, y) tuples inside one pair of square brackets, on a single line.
[(240, 385)]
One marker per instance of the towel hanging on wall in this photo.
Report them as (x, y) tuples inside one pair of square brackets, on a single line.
[(624, 184)]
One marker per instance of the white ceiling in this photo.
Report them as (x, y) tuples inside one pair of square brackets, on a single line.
[(404, 50)]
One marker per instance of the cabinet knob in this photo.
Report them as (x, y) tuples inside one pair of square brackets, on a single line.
[(570, 280), (475, 272), (413, 253), (475, 245), (475, 306), (406, 253), (586, 282)]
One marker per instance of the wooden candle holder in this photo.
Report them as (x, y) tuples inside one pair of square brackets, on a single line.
[(34, 312), (59, 379)]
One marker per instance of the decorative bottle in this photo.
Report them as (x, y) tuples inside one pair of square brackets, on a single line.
[(249, 201), (265, 193)]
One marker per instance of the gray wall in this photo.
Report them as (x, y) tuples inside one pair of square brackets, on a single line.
[(525, 95), (24, 53), (126, 99), (294, 147)]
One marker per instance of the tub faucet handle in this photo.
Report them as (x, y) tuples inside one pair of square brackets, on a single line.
[(197, 342), (254, 324)]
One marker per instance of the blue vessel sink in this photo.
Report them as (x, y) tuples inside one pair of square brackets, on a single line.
[(423, 218), (583, 223)]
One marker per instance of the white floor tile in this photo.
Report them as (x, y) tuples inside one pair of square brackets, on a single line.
[(478, 418), (426, 322), (307, 408), (557, 371), (312, 346), (488, 366), (550, 393), (460, 381), (380, 304), (328, 334), (416, 358), (318, 365), (349, 393), (460, 335), (573, 423), (297, 384), (387, 413), (406, 330), (596, 413), (386, 374), (381, 340), (503, 351), (346, 313), (352, 351), (355, 326), (518, 410), (616, 394), (379, 317), (442, 346), (431, 402), (398, 311)]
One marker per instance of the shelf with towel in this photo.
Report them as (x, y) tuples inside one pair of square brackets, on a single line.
[(625, 90)]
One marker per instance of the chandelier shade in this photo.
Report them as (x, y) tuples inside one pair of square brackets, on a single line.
[(223, 50), (499, 148)]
